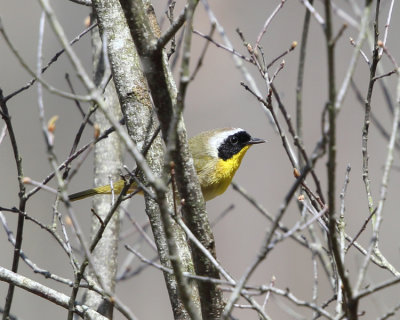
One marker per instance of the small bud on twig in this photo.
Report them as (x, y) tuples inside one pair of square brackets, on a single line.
[(250, 48), (86, 22), (96, 130), (68, 221), (51, 124), (26, 180)]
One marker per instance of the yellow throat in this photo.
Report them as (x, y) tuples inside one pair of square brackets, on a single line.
[(222, 175)]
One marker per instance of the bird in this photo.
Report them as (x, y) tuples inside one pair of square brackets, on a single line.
[(217, 155)]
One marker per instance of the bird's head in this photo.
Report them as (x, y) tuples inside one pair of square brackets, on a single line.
[(229, 142)]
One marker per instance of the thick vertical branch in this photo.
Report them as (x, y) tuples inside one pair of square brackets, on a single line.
[(137, 107), (212, 300), (331, 115), (351, 306), (367, 114), (144, 32), (107, 165)]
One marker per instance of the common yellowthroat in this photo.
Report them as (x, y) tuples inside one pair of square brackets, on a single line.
[(217, 155)]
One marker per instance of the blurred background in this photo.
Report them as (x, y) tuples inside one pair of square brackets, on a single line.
[(215, 99)]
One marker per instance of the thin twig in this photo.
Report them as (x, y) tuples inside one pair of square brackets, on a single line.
[(300, 80), (345, 16), (22, 201), (77, 102), (3, 133), (173, 29), (83, 2), (342, 238), (390, 313), (218, 45), (339, 34), (389, 17), (47, 293), (353, 43), (238, 60), (268, 21), (352, 65), (71, 158), (52, 60), (36, 269), (386, 284), (390, 56), (388, 74), (203, 53), (361, 230), (264, 250), (374, 119), (292, 47), (314, 12)]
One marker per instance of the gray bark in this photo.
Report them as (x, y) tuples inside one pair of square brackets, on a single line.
[(107, 165), (145, 33), (138, 111)]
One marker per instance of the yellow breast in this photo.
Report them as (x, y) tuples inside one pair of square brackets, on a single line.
[(219, 175)]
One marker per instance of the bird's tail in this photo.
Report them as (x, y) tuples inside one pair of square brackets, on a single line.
[(106, 189), (83, 194)]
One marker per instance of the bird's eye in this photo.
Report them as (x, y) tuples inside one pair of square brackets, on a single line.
[(234, 140)]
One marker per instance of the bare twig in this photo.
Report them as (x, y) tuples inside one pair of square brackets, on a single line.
[(3, 133), (46, 292), (173, 29), (52, 60), (292, 47), (345, 16), (77, 102), (25, 65), (316, 15), (300, 80), (238, 61), (390, 313), (22, 201), (383, 285), (69, 159), (203, 53), (367, 112), (342, 239), (361, 230), (352, 65), (263, 251), (353, 43), (339, 34), (47, 274), (389, 17), (226, 48), (140, 229), (387, 52), (388, 74), (268, 21), (83, 2), (374, 119)]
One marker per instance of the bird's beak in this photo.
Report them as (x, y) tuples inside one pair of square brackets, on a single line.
[(255, 141)]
